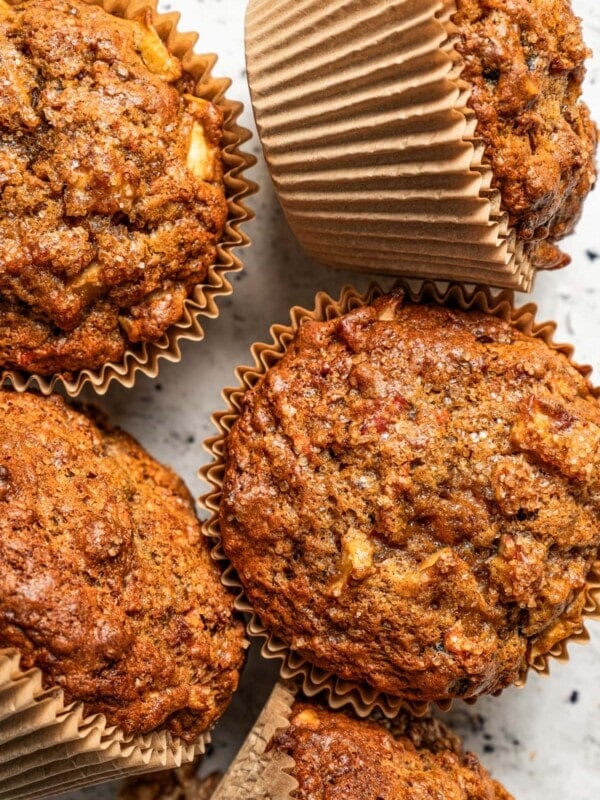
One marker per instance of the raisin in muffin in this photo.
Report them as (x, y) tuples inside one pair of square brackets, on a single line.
[(107, 583), (338, 756), (411, 498), (112, 201), (525, 62)]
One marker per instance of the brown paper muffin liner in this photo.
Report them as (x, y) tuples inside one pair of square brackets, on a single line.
[(203, 303), (372, 148), (255, 773), (362, 698), (47, 747)]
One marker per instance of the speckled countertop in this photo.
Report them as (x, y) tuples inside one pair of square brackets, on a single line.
[(542, 741)]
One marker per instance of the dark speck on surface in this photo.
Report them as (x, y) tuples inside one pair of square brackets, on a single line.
[(191, 439), (592, 255), (516, 743), (488, 748), (574, 697), (158, 387), (477, 722)]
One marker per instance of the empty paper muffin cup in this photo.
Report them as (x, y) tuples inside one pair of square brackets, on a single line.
[(376, 155), (362, 697), (48, 748), (144, 357)]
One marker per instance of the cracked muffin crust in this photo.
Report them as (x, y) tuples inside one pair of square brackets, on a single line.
[(525, 62), (111, 194), (107, 583), (411, 498), (338, 756)]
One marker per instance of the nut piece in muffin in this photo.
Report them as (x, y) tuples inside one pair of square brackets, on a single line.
[(338, 756), (107, 584), (112, 201), (411, 498), (525, 62)]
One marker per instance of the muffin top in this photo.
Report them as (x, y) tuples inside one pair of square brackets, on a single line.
[(107, 583), (412, 498), (338, 756), (525, 62), (111, 194)]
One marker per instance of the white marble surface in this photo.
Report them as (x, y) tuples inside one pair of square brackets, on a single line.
[(541, 741)]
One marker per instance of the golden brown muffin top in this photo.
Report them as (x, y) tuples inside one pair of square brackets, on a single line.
[(338, 757), (412, 498), (107, 583), (525, 61), (111, 194)]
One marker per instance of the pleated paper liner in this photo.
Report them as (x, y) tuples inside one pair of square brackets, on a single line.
[(47, 747), (254, 773), (203, 303), (372, 148), (362, 698)]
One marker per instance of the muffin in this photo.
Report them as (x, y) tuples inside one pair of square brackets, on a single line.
[(175, 784), (525, 63), (410, 497), (107, 585), (456, 148), (113, 202), (338, 756)]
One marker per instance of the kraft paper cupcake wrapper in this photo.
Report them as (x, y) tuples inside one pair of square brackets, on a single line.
[(202, 304), (364, 699), (371, 145), (47, 747), (254, 773)]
